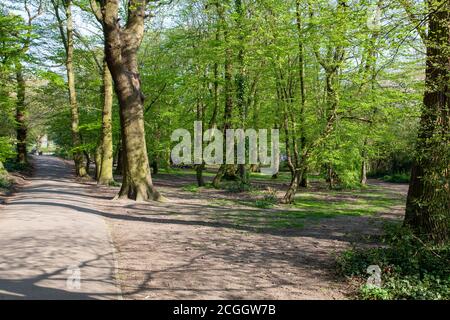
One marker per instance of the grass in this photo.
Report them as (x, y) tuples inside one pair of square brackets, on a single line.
[(284, 177), (308, 206), (184, 172), (262, 211), (191, 188), (345, 203)]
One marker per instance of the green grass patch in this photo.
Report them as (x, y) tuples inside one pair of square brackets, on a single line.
[(183, 172), (308, 206), (194, 188), (346, 203)]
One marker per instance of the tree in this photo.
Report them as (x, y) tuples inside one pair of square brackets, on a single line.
[(104, 159), (121, 46), (428, 203), (67, 37), (21, 125), (15, 35)]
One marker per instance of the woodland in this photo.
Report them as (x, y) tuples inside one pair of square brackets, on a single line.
[(358, 89)]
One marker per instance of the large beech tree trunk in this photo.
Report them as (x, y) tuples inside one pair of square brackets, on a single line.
[(21, 127), (105, 161), (428, 203), (121, 46)]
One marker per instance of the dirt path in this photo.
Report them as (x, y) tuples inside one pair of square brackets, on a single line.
[(49, 237), (192, 248)]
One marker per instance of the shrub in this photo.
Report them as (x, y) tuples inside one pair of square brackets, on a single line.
[(6, 149), (5, 183), (397, 178)]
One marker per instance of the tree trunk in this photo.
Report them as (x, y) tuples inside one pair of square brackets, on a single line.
[(121, 46), (105, 174), (80, 169), (218, 177), (119, 166), (228, 88), (293, 187), (241, 85), (21, 127), (301, 62), (155, 166), (304, 183), (97, 161), (364, 172), (428, 203), (87, 164), (199, 174)]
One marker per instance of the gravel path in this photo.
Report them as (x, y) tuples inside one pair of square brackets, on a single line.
[(52, 245)]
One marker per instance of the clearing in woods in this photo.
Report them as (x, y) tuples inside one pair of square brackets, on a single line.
[(203, 244)]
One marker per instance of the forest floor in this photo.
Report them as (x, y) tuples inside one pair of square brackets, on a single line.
[(220, 244)]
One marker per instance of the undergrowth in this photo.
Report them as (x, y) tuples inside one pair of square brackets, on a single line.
[(410, 268)]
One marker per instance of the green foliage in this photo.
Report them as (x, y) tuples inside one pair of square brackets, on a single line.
[(397, 178), (13, 166), (5, 182), (267, 202), (411, 269), (191, 188), (7, 150)]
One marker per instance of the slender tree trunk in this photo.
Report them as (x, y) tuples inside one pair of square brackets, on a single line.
[(301, 62), (428, 203), (199, 174), (21, 127), (98, 161), (228, 88), (363, 179), (105, 174), (293, 187), (200, 167), (364, 172), (87, 163), (76, 140), (241, 85), (304, 182), (330, 175), (121, 46), (119, 165), (155, 166)]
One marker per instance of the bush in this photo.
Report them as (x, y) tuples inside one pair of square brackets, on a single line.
[(5, 183), (12, 166), (397, 178), (410, 268), (6, 149)]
